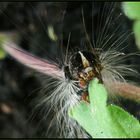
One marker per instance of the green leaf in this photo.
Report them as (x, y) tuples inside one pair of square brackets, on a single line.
[(136, 30), (4, 36), (51, 33), (102, 121), (2, 52), (132, 9)]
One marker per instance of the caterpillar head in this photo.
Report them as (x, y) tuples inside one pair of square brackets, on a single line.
[(83, 67)]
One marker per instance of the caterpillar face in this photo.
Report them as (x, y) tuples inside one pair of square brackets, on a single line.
[(83, 66)]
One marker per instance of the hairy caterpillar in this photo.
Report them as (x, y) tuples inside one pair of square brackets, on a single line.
[(101, 59)]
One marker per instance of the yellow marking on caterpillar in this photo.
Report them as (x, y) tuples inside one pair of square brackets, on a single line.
[(84, 60)]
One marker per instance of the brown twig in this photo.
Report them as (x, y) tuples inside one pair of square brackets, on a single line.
[(127, 90)]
